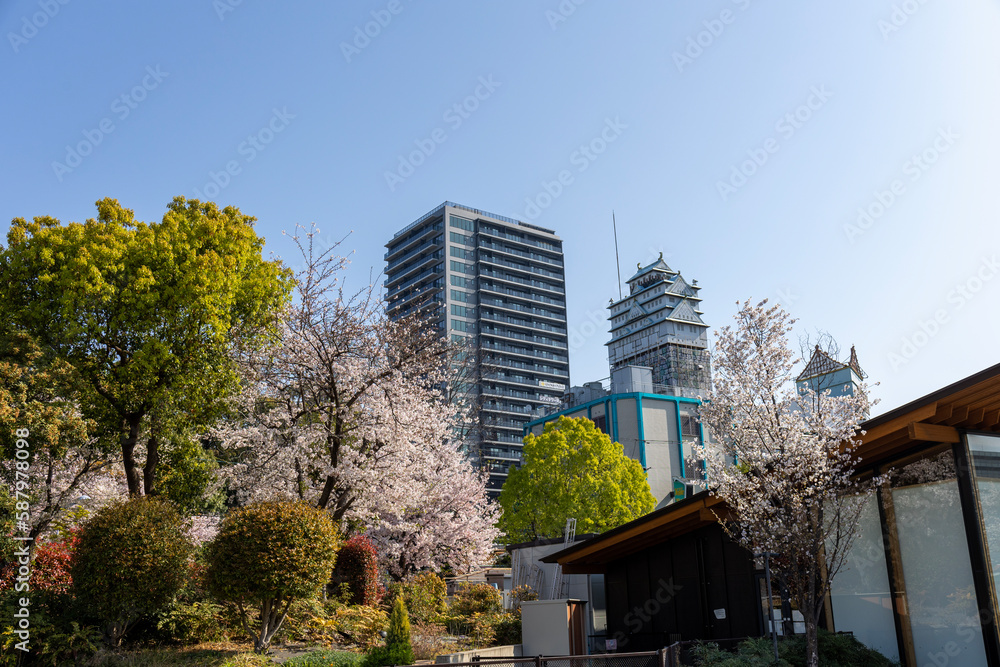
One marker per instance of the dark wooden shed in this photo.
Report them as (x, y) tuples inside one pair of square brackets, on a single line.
[(671, 575)]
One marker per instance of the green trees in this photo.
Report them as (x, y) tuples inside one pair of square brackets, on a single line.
[(572, 470), (267, 555), (131, 559), (148, 315)]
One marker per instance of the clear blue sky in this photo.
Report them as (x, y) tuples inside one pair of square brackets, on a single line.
[(330, 121)]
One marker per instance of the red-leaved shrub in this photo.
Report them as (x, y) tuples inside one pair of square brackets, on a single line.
[(357, 565)]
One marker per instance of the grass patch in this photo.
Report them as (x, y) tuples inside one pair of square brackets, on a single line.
[(325, 658)]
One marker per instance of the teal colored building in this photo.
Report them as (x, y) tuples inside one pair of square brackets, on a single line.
[(660, 431)]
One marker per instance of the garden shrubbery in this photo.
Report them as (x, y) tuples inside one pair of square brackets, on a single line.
[(266, 556), (129, 572), (835, 650), (130, 561)]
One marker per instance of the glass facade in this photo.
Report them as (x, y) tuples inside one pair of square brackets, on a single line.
[(860, 593), (460, 260), (920, 581)]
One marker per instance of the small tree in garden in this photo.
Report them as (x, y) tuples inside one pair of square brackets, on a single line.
[(791, 490), (267, 555), (130, 561), (425, 594), (357, 563), (398, 649)]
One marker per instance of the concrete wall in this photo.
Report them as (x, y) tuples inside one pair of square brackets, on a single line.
[(628, 428), (657, 419), (509, 651)]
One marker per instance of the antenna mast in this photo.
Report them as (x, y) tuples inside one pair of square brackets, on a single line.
[(614, 226)]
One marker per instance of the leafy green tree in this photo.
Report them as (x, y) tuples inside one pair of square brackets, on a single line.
[(130, 561), (266, 556), (572, 470), (150, 316)]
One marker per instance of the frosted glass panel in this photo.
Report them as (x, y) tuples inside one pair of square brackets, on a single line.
[(985, 456), (860, 594), (937, 574)]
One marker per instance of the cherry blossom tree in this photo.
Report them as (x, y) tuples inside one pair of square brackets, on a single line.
[(350, 411), (69, 465), (785, 459)]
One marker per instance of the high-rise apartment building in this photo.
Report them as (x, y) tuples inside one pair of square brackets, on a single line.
[(497, 284)]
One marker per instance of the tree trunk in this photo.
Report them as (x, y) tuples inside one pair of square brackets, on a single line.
[(129, 441), (149, 470), (271, 617), (810, 615)]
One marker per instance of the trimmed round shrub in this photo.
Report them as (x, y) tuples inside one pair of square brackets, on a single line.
[(129, 562), (266, 556)]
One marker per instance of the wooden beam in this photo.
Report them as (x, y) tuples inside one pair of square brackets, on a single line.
[(958, 416), (900, 423), (943, 412), (933, 432), (975, 416), (992, 419)]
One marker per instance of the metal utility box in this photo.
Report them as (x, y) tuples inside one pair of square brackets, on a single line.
[(553, 627)]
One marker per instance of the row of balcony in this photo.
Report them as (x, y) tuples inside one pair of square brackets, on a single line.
[(541, 312), (539, 284), (520, 253), (526, 268), (432, 242), (524, 351), (516, 335), (536, 368), (499, 233), (487, 314)]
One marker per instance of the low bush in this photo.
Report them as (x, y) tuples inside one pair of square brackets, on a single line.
[(428, 641), (425, 594), (193, 623), (476, 599), (362, 625), (506, 628), (325, 659), (835, 650)]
